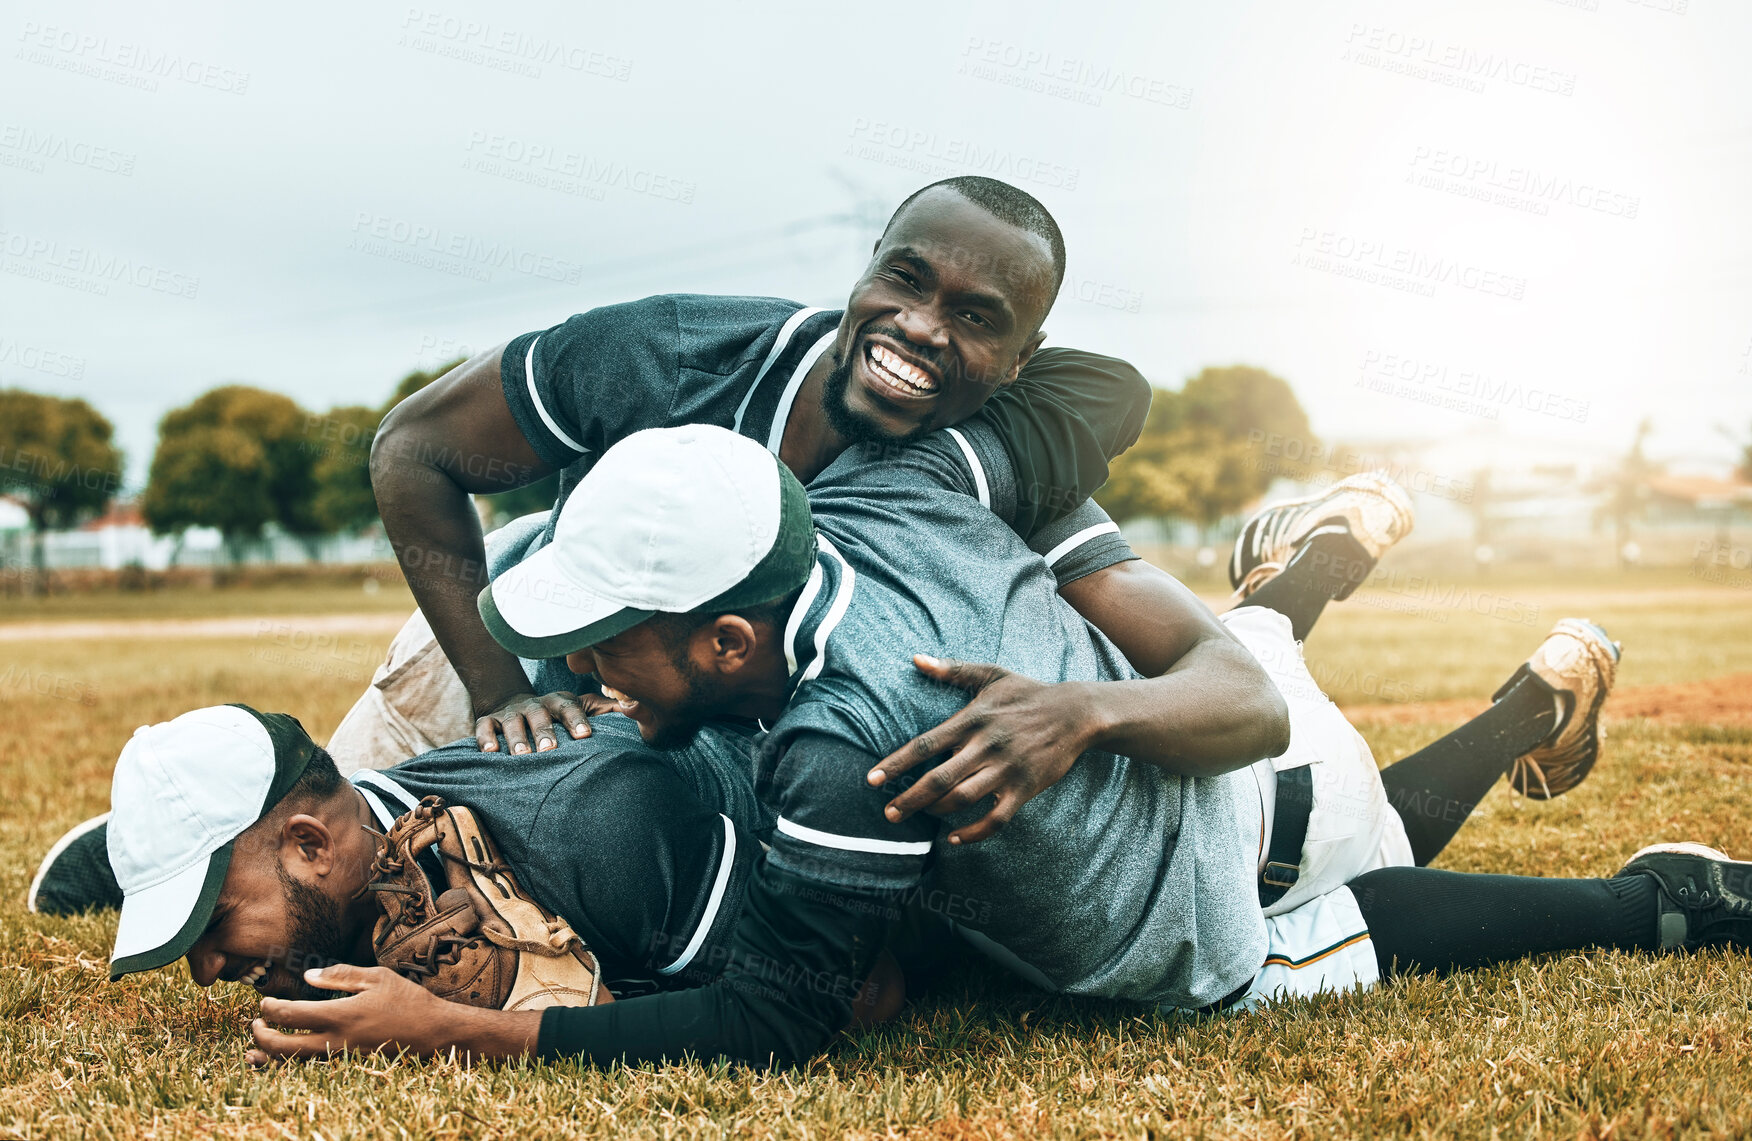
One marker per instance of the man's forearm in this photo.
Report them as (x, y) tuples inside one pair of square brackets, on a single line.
[(437, 540), (491, 1035), (1206, 705), (1214, 712)]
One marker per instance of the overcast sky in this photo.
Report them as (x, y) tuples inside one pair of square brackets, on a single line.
[(1533, 209)]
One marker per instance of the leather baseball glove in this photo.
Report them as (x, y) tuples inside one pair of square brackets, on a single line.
[(481, 940)]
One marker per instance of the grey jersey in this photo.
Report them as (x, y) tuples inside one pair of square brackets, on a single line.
[(1121, 880)]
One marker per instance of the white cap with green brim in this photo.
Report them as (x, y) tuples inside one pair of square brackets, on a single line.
[(184, 790), (669, 520)]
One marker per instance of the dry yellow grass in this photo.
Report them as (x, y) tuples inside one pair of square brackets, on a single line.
[(1598, 1045)]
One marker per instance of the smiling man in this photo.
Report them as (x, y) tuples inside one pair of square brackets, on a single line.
[(944, 324)]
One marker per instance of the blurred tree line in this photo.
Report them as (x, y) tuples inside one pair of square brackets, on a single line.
[(1211, 449), (239, 458), (235, 459)]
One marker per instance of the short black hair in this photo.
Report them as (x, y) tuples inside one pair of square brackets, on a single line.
[(1006, 203), (675, 627), (320, 780)]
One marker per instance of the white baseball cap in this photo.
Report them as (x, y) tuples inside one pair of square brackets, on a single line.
[(184, 790), (668, 520)]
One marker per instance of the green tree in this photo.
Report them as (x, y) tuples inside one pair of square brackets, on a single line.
[(1211, 449), (341, 444), (1141, 484), (57, 458), (236, 458), (210, 477)]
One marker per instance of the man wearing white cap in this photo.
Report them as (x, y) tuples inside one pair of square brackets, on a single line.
[(236, 844), (206, 778), (722, 595)]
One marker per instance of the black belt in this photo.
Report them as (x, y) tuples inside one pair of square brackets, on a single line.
[(1289, 828)]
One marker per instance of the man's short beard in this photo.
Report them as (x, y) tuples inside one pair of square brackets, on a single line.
[(705, 697), (848, 425), (318, 934)]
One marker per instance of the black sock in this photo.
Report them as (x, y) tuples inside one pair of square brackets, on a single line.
[(1322, 569), (1427, 921), (1436, 788)]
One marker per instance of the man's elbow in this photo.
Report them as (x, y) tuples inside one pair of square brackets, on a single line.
[(398, 460), (388, 442), (1260, 709), (1138, 392), (1273, 722)]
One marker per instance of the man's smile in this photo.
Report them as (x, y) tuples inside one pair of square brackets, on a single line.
[(251, 973), (622, 703), (898, 375)]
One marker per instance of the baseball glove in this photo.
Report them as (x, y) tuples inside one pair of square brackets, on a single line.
[(481, 940)]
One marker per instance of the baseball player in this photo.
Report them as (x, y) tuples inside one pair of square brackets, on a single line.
[(1124, 879), (946, 315)]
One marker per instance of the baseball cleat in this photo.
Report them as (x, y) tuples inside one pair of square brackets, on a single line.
[(1577, 662), (1705, 897), (1370, 507), (75, 876)]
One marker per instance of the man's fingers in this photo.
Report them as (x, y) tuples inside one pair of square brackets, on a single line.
[(570, 710), (962, 675), (595, 705), (298, 1014), (516, 736), (945, 738), (541, 729), (275, 1044), (486, 738), (931, 787), (990, 824), (347, 977), (968, 792)]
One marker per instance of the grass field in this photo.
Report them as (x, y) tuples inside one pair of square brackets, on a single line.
[(1596, 1045)]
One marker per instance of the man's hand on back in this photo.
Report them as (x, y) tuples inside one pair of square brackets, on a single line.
[(527, 721), (1016, 738)]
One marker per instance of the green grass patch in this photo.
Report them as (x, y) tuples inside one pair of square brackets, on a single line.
[(1591, 1045)]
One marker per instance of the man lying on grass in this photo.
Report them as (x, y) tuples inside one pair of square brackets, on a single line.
[(1123, 879)]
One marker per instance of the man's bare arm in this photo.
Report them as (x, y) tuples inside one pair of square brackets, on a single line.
[(455, 437), (1204, 707)]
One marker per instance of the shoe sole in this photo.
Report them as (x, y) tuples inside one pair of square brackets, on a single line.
[(1681, 848), (1603, 656), (1377, 482), (61, 845)]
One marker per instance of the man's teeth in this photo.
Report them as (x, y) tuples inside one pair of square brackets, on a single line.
[(254, 975), (890, 367), (618, 697)]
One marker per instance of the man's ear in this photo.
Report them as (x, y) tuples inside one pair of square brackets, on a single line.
[(729, 642), (1023, 357), (306, 841)]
